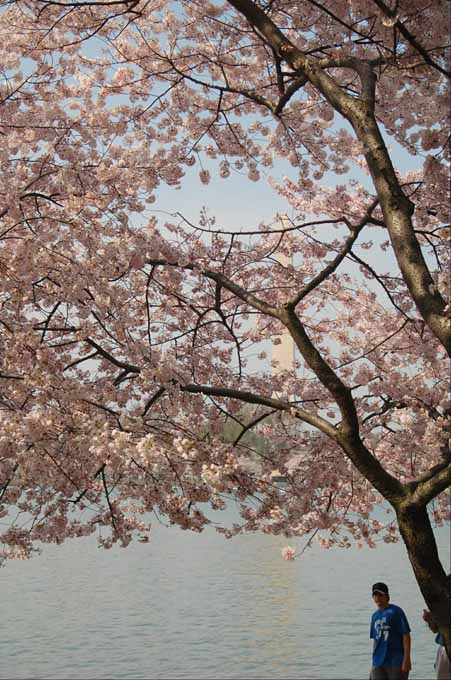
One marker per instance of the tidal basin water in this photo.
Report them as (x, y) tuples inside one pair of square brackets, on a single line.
[(199, 606)]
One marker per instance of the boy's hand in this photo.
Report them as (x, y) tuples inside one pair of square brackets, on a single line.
[(406, 666)]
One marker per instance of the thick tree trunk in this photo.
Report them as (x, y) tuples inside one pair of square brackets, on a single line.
[(434, 583)]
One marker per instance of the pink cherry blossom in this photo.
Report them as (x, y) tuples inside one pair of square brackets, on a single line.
[(288, 553)]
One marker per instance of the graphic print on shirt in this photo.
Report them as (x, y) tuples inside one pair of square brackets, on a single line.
[(382, 629)]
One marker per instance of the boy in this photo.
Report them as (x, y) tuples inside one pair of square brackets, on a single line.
[(391, 634)]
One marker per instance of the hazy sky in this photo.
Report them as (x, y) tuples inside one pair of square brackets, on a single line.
[(239, 203)]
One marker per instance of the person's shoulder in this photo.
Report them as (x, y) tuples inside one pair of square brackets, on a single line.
[(396, 609)]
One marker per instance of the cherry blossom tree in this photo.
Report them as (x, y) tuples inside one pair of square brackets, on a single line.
[(135, 376)]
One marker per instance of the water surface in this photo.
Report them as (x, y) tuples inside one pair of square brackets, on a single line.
[(199, 606)]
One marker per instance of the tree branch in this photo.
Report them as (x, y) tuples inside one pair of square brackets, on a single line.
[(436, 480), (329, 269), (391, 14), (106, 355), (252, 398), (221, 279)]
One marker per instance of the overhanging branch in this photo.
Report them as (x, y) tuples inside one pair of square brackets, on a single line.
[(276, 404), (430, 488)]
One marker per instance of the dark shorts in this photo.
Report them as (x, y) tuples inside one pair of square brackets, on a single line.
[(387, 673)]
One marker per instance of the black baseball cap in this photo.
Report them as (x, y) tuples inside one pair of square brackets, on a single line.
[(380, 588)]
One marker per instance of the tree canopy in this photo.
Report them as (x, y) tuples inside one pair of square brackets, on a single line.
[(131, 340)]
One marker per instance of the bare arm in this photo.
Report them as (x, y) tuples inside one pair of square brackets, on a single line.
[(406, 663), (427, 616)]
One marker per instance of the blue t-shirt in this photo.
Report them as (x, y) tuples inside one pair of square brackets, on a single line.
[(387, 628), (440, 640)]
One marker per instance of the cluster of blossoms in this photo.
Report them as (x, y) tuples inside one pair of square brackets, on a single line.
[(139, 365), (288, 553)]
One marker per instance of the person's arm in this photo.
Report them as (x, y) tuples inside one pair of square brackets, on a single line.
[(427, 616), (406, 662)]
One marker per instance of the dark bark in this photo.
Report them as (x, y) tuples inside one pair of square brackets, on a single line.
[(434, 583), (397, 210)]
